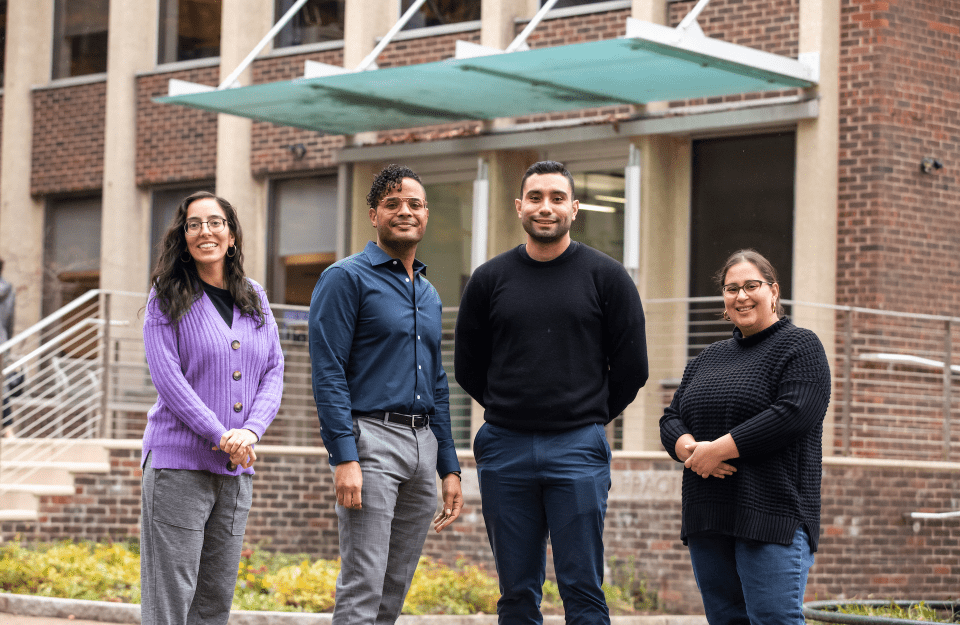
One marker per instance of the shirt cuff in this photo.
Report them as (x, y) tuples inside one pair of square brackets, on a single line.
[(343, 449)]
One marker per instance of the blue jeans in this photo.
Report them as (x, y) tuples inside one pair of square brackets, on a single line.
[(746, 582), (532, 483)]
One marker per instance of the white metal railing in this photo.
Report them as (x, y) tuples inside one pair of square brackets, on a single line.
[(892, 395)]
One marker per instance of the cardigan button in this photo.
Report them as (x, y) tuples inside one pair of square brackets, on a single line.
[(237, 407), (236, 375), (235, 344)]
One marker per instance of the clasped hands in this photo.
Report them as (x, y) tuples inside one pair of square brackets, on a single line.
[(706, 458), (239, 444)]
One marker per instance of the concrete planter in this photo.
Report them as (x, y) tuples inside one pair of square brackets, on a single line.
[(826, 611)]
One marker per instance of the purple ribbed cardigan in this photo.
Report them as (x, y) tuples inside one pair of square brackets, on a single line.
[(194, 369)]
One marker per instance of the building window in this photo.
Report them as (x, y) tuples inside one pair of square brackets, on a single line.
[(571, 3), (71, 250), (163, 207), (3, 37), (189, 29), (80, 37), (599, 222), (742, 197), (441, 12), (316, 21), (445, 249), (303, 239)]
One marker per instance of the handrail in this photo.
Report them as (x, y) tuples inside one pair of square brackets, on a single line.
[(57, 340), (908, 359), (48, 320), (935, 515)]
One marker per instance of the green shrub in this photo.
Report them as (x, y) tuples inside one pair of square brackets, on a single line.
[(277, 581), (462, 589), (71, 570)]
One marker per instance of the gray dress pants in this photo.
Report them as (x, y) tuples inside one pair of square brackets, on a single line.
[(380, 544), (191, 536)]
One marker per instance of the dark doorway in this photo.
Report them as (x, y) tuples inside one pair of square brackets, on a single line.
[(742, 197)]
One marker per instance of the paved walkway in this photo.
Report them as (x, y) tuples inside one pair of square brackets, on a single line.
[(30, 610)]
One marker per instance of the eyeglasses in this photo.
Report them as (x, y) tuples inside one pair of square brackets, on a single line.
[(393, 203), (215, 225), (749, 287)]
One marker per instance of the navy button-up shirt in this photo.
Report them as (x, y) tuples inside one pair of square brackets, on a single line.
[(375, 345)]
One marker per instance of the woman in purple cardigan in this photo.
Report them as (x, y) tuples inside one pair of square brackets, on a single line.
[(214, 355)]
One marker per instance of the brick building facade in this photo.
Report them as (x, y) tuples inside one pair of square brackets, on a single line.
[(867, 228)]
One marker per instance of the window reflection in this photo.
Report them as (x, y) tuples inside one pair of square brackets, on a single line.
[(316, 21), (303, 236), (189, 29), (440, 12), (80, 37), (71, 250), (599, 223)]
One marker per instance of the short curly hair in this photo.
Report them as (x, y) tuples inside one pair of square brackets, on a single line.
[(389, 178)]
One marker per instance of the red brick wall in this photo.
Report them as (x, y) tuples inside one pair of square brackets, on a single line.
[(68, 132), (899, 230), (867, 546), (769, 25), (271, 143), (174, 143)]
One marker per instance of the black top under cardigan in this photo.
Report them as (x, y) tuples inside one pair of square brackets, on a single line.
[(770, 391)]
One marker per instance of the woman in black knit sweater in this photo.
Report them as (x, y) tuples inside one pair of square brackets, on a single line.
[(747, 422)]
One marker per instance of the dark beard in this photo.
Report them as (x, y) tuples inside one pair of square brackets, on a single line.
[(558, 234)]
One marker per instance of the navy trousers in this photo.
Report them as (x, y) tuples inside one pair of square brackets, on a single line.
[(535, 483), (746, 582)]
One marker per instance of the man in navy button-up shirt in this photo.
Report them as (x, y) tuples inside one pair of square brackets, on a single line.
[(375, 351)]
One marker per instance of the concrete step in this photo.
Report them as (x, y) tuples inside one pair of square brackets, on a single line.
[(70, 450), (38, 489), (30, 469), (49, 473), (18, 515)]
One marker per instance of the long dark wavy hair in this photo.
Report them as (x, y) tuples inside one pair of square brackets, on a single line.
[(177, 282)]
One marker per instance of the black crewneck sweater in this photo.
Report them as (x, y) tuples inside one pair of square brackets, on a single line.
[(770, 391), (551, 345)]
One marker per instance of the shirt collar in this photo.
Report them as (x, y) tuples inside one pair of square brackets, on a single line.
[(378, 257)]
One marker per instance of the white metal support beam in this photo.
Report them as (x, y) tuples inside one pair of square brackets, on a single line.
[(481, 215), (370, 61), (631, 214), (229, 81), (531, 26)]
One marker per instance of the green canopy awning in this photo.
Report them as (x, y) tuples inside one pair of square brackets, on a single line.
[(652, 63)]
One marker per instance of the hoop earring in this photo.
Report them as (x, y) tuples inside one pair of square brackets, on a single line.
[(187, 259), (725, 316), (234, 248)]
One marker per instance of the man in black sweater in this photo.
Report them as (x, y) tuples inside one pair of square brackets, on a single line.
[(550, 341)]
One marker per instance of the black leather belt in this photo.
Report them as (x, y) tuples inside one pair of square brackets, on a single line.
[(412, 420)]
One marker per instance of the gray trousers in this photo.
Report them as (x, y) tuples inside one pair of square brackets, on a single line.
[(191, 535), (380, 544)]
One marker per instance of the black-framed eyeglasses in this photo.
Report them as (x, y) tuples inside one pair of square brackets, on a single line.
[(749, 287), (215, 225), (393, 203)]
